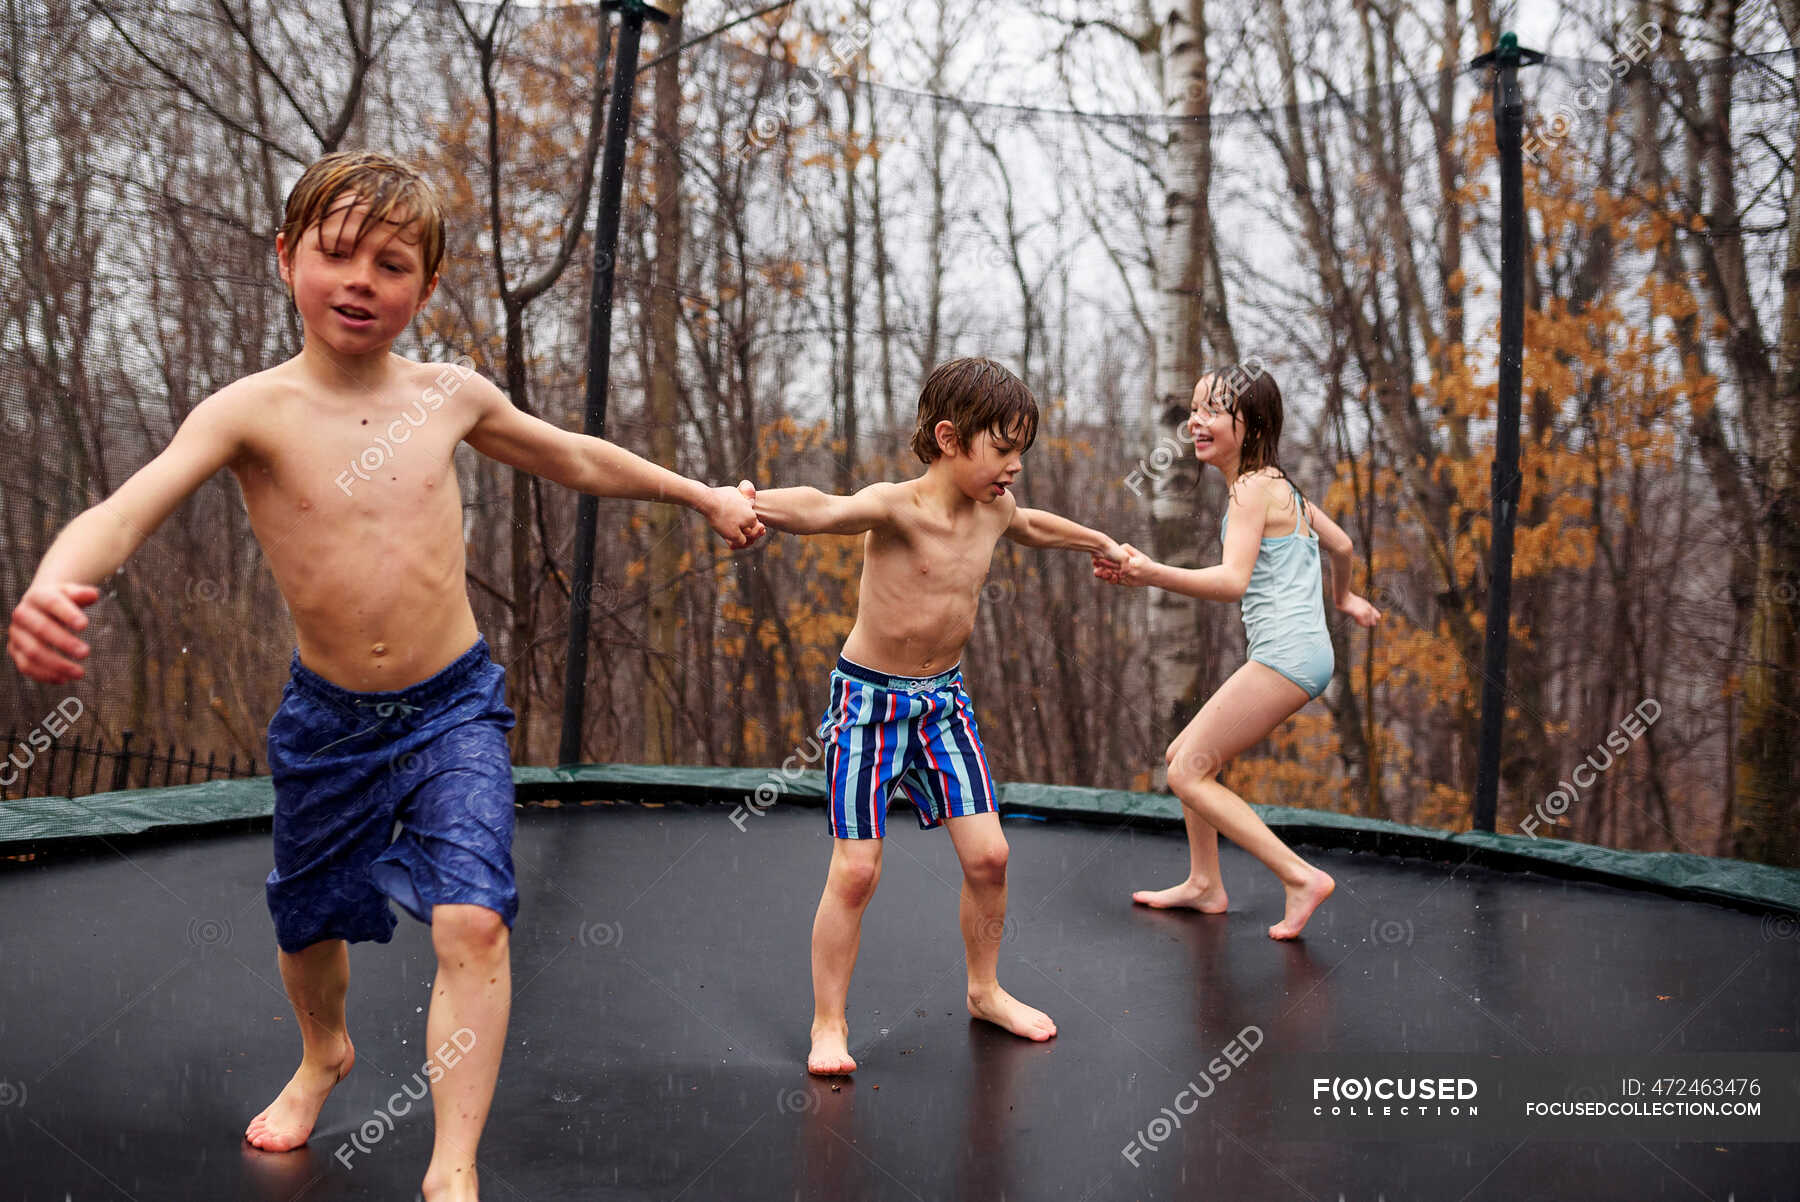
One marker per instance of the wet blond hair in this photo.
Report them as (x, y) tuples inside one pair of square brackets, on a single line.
[(395, 193)]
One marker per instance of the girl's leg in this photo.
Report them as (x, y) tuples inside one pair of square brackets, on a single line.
[(1193, 755), (1203, 890), (1253, 702), (837, 934)]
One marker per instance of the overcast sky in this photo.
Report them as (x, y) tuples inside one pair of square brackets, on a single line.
[(1003, 56)]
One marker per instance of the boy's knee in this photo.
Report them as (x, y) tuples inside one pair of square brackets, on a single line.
[(988, 866), (853, 878), (468, 930)]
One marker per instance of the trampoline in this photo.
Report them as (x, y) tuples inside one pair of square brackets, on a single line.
[(659, 1023)]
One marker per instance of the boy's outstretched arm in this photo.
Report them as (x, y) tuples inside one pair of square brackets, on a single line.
[(1041, 528), (806, 510), (42, 638), (504, 432), (1224, 581)]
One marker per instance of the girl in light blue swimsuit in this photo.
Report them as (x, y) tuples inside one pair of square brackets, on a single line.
[(1272, 564)]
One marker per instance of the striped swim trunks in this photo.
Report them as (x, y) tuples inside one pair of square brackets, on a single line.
[(917, 733)]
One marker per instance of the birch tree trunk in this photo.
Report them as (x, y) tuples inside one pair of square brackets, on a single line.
[(1185, 280)]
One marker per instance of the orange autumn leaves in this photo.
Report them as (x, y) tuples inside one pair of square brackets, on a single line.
[(1607, 395)]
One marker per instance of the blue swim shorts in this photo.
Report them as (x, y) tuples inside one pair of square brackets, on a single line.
[(917, 733), (349, 766)]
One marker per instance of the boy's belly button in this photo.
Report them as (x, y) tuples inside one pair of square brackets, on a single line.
[(379, 649)]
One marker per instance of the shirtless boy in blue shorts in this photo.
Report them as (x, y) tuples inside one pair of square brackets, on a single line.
[(898, 716), (394, 710)]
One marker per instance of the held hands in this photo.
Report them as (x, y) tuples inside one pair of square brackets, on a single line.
[(1108, 559), (1359, 609), (733, 516), (1123, 564), (42, 639)]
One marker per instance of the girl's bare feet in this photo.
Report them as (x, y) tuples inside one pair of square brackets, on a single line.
[(830, 1055), (1189, 895), (289, 1119), (1004, 1010), (1302, 900)]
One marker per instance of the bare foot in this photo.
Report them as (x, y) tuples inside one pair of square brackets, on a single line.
[(454, 1185), (289, 1119), (1209, 899), (1302, 900), (1004, 1010), (830, 1055)]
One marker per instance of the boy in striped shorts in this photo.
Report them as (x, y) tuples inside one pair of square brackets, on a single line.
[(898, 718)]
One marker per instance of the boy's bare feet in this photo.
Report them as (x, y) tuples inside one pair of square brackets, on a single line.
[(456, 1185), (830, 1055), (289, 1119), (1208, 899), (1302, 900), (1004, 1010)]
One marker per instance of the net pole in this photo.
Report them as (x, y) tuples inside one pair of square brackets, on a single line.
[(632, 15), (1509, 122)]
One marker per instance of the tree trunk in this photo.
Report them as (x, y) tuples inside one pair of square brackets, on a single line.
[(1169, 469), (1766, 824), (846, 475), (518, 654)]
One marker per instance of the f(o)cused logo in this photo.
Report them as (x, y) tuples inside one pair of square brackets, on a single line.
[(1391, 932), (1780, 926), (407, 763), (1388, 596), (594, 596), (797, 1101), (208, 932), (1560, 123), (999, 929), (602, 934), (208, 592)]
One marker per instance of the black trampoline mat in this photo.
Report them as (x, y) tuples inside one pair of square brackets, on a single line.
[(663, 995)]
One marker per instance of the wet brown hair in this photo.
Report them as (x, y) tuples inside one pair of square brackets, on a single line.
[(395, 193), (1249, 393), (977, 396)]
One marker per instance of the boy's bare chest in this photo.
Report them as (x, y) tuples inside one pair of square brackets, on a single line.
[(933, 558), (381, 463)]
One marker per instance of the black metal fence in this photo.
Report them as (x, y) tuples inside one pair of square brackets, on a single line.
[(67, 769)]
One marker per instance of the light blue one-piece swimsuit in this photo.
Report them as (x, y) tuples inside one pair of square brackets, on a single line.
[(1284, 606)]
